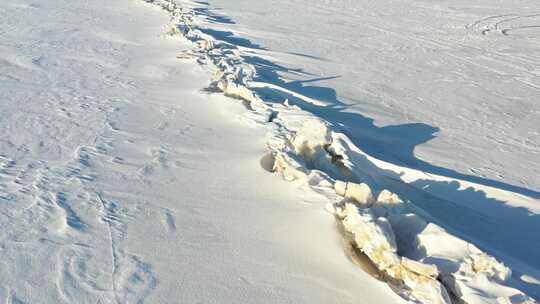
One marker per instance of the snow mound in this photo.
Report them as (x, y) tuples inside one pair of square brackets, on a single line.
[(470, 274), (375, 237), (430, 261)]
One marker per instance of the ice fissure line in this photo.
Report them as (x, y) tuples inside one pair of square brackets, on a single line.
[(304, 147)]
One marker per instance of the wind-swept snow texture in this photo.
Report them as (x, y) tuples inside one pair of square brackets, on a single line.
[(122, 182), (403, 235)]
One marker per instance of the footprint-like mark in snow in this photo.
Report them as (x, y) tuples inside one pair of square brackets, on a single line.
[(132, 278), (109, 275), (71, 217), (8, 173), (80, 276), (523, 25), (160, 159), (170, 221)]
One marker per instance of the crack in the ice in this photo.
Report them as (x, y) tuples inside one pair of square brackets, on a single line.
[(309, 152), (114, 259)]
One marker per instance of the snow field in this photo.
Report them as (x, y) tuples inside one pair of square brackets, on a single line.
[(122, 182), (423, 261)]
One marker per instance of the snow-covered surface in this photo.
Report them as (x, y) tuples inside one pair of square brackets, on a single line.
[(449, 87), (121, 182), (440, 95), (307, 148)]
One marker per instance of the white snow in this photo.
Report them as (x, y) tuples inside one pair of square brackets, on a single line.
[(125, 178), (360, 193), (441, 95), (122, 182), (305, 147)]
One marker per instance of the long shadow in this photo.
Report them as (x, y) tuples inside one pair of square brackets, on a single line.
[(230, 38), (211, 17), (394, 144), (226, 36), (508, 230)]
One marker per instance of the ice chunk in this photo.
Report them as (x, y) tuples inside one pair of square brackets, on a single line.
[(340, 187), (372, 236), (236, 90), (388, 203), (313, 133), (470, 274), (289, 166), (360, 193), (420, 280), (419, 268), (483, 263), (426, 290), (387, 198), (375, 237)]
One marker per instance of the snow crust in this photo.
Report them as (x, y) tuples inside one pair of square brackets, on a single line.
[(429, 264), (433, 86), (115, 174), (121, 181)]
